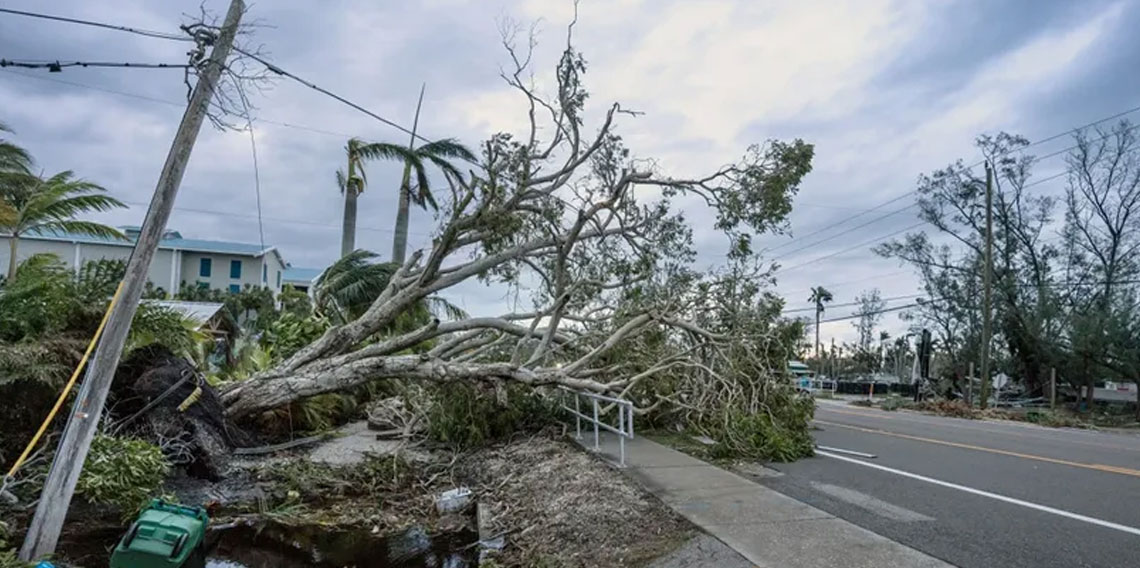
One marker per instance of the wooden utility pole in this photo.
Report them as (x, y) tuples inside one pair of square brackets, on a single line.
[(1052, 388), (987, 282), (43, 533), (970, 387)]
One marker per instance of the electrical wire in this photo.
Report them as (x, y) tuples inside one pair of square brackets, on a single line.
[(57, 66), (139, 31), (270, 66), (848, 304), (849, 249), (914, 191)]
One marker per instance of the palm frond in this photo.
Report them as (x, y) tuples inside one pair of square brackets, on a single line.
[(341, 182), (446, 148), (445, 166), (13, 157), (443, 309), (89, 228), (423, 197), (387, 151)]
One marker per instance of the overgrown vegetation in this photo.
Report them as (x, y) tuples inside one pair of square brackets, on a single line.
[(122, 472), (468, 416)]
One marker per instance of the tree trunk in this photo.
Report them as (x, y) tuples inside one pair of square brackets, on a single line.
[(12, 262), (348, 230), (817, 333), (400, 236)]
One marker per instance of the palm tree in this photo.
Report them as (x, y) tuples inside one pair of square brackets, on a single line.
[(437, 153), (12, 157), (347, 288), (32, 203), (819, 296), (353, 182)]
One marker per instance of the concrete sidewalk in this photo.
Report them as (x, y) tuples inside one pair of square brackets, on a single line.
[(766, 527)]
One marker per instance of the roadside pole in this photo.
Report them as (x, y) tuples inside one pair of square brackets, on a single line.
[(1052, 388), (43, 533), (987, 276), (970, 387)]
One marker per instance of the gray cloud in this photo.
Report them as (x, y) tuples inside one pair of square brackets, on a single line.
[(886, 90)]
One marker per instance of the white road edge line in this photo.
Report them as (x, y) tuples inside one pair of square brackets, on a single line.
[(1011, 500), (848, 452)]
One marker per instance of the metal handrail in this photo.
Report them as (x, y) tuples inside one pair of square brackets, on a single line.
[(624, 428)]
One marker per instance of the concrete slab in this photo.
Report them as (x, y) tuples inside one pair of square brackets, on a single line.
[(702, 551), (767, 528), (353, 443)]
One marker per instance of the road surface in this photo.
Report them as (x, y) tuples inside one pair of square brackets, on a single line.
[(976, 493)]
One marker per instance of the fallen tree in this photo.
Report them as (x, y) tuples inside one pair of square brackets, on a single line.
[(598, 238)]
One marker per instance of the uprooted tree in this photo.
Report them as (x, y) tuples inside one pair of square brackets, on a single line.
[(596, 236)]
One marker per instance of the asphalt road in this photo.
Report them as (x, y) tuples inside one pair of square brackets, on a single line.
[(976, 493)]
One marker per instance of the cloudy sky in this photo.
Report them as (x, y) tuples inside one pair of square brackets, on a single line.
[(885, 89)]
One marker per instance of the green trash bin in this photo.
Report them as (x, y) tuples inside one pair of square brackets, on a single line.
[(163, 536)]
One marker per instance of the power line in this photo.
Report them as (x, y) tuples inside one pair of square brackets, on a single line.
[(848, 304), (845, 282), (168, 102), (57, 66), (270, 66), (846, 250), (139, 31), (914, 191), (273, 219), (837, 235)]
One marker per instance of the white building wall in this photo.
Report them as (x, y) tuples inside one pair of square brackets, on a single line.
[(75, 254), (219, 278), (168, 269)]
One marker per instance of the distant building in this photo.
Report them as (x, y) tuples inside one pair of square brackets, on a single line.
[(222, 265), (301, 279)]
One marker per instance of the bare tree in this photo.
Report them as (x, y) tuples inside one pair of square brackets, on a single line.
[(591, 231), (1102, 237)]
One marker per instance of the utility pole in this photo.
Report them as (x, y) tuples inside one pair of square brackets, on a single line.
[(987, 282), (1052, 388), (43, 533), (403, 205)]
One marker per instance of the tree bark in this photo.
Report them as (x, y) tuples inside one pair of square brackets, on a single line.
[(13, 244), (400, 236), (348, 229)]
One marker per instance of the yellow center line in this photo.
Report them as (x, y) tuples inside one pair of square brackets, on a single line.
[(1093, 466)]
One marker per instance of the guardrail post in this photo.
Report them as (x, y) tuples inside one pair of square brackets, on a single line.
[(577, 418), (621, 437), (595, 401)]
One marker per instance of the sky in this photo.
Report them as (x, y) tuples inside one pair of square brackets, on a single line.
[(884, 89)]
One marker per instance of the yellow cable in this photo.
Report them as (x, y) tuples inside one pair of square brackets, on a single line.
[(70, 384)]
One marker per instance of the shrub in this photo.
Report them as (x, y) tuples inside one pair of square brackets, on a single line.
[(893, 403), (8, 557), (122, 472), (465, 416), (777, 434)]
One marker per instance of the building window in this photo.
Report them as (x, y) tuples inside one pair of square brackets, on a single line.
[(235, 269), (278, 278), (264, 273), (203, 285), (235, 288), (204, 267)]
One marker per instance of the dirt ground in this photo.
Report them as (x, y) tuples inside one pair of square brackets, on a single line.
[(560, 506)]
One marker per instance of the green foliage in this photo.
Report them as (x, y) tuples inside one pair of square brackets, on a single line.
[(122, 472), (467, 416), (290, 332), (893, 402), (314, 481), (346, 289), (8, 553), (294, 301), (780, 434)]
